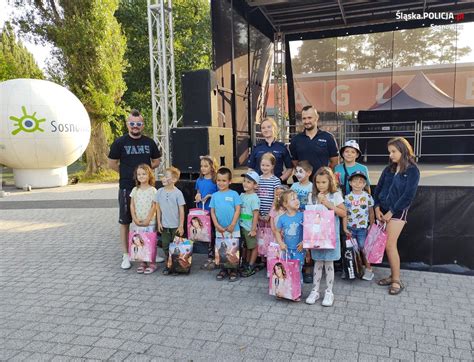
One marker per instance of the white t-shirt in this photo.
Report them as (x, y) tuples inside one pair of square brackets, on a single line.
[(143, 202)]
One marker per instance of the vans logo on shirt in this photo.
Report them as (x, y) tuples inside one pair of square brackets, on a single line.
[(137, 150)]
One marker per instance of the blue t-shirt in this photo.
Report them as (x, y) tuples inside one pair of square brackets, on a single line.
[(340, 174), (292, 227), (205, 186), (302, 191), (224, 204), (250, 203)]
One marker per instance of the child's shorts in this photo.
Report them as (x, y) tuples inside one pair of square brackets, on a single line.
[(360, 234), (250, 242)]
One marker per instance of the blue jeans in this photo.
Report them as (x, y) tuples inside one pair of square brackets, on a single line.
[(360, 234)]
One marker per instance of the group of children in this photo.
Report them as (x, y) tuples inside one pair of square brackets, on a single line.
[(265, 204)]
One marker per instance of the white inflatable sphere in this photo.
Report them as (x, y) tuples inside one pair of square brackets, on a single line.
[(43, 129)]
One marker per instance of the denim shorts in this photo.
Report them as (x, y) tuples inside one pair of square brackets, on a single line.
[(360, 234)]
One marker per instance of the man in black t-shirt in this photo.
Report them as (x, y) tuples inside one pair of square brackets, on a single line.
[(126, 153)]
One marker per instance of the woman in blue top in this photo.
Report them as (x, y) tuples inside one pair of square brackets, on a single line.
[(269, 129), (393, 195)]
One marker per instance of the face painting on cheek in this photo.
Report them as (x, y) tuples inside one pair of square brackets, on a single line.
[(299, 173)]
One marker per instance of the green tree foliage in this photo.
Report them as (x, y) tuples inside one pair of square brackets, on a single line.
[(192, 47), (375, 51), (15, 60), (89, 49)]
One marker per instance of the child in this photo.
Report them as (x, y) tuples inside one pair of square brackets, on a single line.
[(266, 186), (277, 208), (350, 153), (142, 207), (206, 186), (248, 221), (303, 187), (393, 196), (169, 210), (290, 225), (325, 193), (225, 212), (360, 211)]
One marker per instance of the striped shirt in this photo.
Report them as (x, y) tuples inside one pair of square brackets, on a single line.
[(266, 193)]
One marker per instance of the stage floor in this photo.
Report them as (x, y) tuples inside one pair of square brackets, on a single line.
[(431, 175)]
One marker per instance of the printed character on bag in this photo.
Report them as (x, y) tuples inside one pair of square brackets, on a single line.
[(285, 280), (319, 231), (142, 246), (375, 243), (264, 238), (227, 252), (273, 252), (199, 225), (180, 255)]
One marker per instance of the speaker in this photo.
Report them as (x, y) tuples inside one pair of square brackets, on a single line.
[(188, 143), (199, 91)]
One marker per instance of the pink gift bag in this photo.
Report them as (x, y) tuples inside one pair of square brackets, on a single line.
[(227, 252), (319, 230), (273, 252), (199, 225), (142, 244), (264, 238), (375, 243), (285, 278)]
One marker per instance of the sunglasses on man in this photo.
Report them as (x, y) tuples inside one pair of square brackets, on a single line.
[(135, 124)]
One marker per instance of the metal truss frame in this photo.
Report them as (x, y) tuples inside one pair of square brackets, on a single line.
[(162, 74), (279, 81)]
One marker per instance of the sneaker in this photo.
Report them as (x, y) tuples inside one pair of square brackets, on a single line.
[(248, 272), (159, 259), (312, 297), (307, 278), (166, 271), (328, 300), (368, 275), (125, 262)]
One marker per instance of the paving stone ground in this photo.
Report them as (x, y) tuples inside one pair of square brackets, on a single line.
[(64, 297)]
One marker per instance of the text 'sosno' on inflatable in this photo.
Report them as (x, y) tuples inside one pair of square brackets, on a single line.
[(43, 129)]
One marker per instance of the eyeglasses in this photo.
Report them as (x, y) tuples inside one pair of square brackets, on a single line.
[(135, 124)]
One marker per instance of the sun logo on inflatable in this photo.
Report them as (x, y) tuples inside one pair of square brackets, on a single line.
[(27, 123)]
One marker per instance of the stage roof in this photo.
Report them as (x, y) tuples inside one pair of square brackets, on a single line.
[(309, 19)]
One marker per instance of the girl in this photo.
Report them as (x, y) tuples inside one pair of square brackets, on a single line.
[(289, 227), (139, 251), (205, 187), (393, 195), (266, 187), (143, 208), (325, 193), (277, 208), (198, 232)]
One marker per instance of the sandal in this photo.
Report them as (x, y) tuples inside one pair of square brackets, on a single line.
[(385, 281), (141, 268), (396, 290), (150, 269), (209, 265), (233, 276), (222, 274)]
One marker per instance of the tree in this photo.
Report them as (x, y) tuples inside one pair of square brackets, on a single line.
[(374, 51), (192, 47), (15, 60), (89, 48)]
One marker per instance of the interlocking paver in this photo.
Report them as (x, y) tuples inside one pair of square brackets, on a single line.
[(88, 308)]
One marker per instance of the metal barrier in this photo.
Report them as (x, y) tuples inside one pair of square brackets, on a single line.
[(419, 133)]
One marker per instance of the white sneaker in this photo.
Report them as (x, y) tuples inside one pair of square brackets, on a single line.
[(125, 262), (328, 300), (159, 259), (368, 275), (312, 297)]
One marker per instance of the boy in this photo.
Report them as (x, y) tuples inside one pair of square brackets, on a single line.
[(360, 212), (169, 210), (350, 153), (249, 220), (225, 212), (303, 187)]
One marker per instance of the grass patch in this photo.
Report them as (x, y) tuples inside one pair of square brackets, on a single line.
[(102, 176)]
